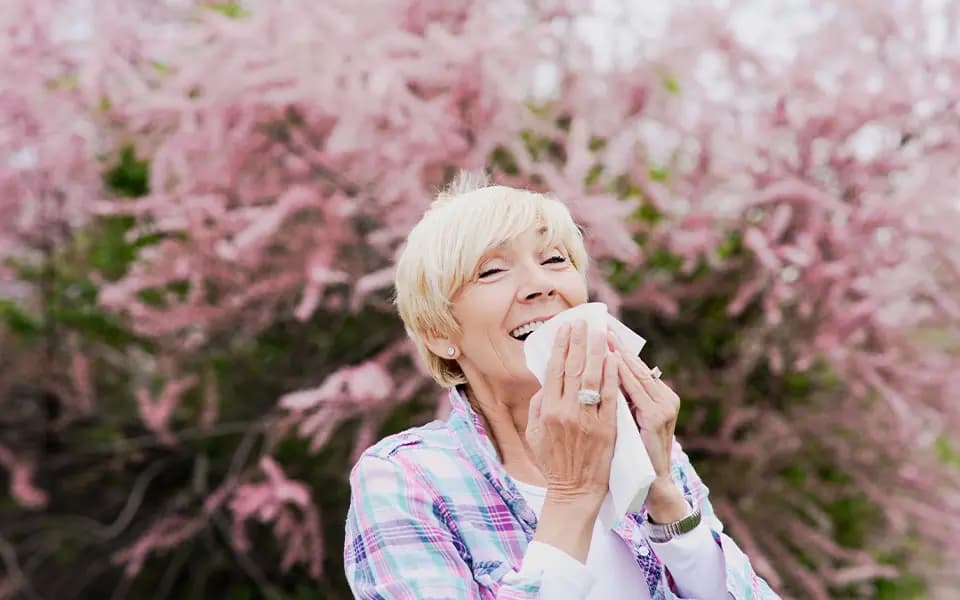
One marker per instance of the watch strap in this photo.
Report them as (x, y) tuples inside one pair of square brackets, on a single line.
[(664, 532)]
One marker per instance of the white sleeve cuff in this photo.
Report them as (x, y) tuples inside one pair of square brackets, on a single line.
[(696, 563), (563, 577)]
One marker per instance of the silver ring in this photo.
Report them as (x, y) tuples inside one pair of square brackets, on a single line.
[(588, 397), (655, 373)]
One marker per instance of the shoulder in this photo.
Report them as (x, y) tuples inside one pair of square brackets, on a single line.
[(415, 451), (434, 436)]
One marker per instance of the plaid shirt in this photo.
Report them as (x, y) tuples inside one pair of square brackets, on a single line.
[(433, 514)]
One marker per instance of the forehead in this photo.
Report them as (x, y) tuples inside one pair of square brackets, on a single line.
[(536, 236)]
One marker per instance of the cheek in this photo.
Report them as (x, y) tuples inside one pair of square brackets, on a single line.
[(575, 288), (481, 317)]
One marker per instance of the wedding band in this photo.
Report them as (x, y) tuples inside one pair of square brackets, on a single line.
[(588, 397), (655, 373)]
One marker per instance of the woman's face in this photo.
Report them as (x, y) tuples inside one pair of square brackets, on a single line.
[(521, 282)]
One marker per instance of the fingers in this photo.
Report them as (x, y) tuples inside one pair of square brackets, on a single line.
[(610, 389), (593, 365), (639, 397), (638, 369), (536, 404), (573, 366), (553, 385), (656, 387)]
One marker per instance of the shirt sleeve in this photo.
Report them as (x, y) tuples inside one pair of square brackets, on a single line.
[(398, 545), (741, 582), (563, 576), (696, 564)]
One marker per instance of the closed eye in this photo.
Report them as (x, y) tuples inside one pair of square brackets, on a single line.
[(552, 260)]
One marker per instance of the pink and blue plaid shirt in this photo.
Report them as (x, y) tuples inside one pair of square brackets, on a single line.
[(433, 514)]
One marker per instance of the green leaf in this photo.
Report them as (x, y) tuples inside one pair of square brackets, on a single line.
[(18, 321), (670, 82), (624, 187), (908, 587), (537, 145), (648, 213), (130, 177), (732, 245), (794, 475), (593, 174), (504, 160), (108, 250), (665, 260), (853, 520), (660, 174), (622, 277), (949, 453), (231, 10)]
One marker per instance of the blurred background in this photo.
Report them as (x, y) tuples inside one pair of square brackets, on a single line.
[(201, 202)]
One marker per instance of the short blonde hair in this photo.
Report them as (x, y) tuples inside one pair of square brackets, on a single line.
[(444, 249)]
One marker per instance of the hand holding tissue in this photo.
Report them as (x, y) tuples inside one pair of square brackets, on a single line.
[(631, 471)]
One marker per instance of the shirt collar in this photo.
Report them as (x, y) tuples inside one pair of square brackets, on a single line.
[(466, 424)]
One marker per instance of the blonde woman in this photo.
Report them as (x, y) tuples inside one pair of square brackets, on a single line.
[(501, 499)]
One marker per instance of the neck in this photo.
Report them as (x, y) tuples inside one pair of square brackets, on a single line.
[(503, 410)]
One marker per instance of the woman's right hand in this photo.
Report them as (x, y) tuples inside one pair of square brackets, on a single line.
[(572, 442)]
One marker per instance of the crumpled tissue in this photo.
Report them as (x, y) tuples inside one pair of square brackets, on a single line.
[(631, 472)]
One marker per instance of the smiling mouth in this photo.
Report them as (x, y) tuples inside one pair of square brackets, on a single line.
[(523, 332)]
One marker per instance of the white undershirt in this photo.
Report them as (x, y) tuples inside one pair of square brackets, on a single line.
[(695, 561)]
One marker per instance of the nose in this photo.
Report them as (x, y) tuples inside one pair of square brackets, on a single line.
[(537, 283)]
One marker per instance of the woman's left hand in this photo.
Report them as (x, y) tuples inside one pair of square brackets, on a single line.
[(655, 408)]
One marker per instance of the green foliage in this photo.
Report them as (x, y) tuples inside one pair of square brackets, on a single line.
[(853, 520), (593, 175), (907, 587), (231, 10), (19, 322), (671, 83), (948, 451), (130, 177), (659, 174), (502, 159), (731, 246)]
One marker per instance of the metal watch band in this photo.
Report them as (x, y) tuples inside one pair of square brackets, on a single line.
[(664, 532)]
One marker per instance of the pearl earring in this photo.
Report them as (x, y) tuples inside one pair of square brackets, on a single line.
[(451, 351)]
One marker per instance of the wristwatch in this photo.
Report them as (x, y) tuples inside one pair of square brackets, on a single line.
[(664, 532)]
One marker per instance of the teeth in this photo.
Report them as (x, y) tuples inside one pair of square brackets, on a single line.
[(528, 328)]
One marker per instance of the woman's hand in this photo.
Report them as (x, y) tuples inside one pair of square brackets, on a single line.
[(655, 408), (573, 442)]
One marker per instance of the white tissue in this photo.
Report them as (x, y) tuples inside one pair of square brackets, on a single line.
[(631, 472)]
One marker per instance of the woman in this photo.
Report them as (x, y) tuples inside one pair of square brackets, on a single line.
[(501, 499)]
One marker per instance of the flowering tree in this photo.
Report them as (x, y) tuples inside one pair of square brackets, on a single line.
[(203, 202)]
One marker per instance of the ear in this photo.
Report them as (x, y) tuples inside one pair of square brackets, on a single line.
[(440, 346)]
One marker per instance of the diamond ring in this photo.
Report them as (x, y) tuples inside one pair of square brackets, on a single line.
[(588, 397), (655, 373)]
